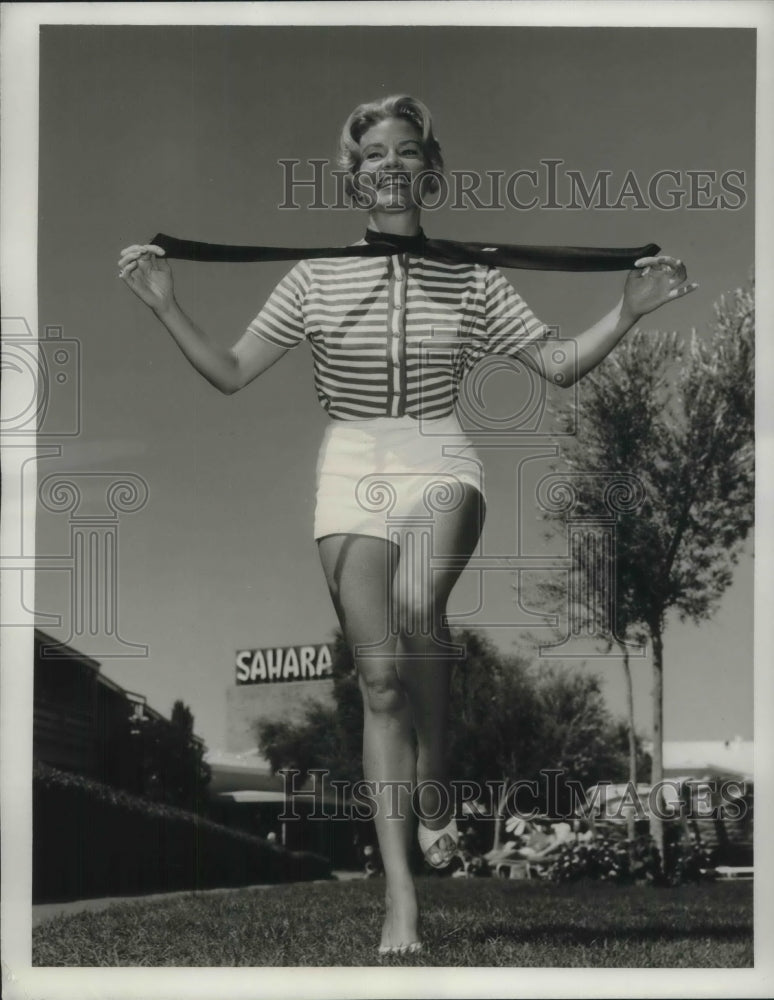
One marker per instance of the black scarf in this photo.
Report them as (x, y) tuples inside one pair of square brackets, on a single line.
[(536, 258)]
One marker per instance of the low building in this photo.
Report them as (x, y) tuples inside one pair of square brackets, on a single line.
[(79, 715)]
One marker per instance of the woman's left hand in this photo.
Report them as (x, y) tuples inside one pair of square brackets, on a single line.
[(655, 281)]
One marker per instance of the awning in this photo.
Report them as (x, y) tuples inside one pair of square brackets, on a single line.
[(237, 772), (251, 796), (247, 777)]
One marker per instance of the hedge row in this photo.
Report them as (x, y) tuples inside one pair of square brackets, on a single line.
[(91, 840)]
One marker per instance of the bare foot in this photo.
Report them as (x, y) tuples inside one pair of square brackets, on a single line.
[(400, 922)]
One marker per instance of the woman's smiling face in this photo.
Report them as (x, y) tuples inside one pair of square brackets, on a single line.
[(392, 158)]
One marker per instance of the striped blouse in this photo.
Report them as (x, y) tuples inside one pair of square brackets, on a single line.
[(395, 335)]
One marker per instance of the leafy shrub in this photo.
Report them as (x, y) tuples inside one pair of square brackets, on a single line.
[(93, 840), (616, 860)]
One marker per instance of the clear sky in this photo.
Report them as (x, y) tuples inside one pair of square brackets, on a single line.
[(147, 129)]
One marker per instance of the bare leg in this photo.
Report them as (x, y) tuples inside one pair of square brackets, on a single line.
[(359, 571), (423, 667)]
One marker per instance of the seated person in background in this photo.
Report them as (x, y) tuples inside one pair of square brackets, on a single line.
[(539, 843)]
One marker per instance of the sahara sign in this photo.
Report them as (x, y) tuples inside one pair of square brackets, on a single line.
[(284, 663)]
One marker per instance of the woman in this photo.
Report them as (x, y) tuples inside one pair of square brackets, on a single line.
[(370, 323)]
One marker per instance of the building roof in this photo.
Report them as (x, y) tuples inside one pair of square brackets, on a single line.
[(69, 654), (63, 651)]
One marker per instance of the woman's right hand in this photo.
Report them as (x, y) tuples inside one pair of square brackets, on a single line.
[(146, 271)]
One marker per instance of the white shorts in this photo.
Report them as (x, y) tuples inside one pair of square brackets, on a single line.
[(376, 475)]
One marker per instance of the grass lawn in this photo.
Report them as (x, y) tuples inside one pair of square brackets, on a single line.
[(475, 922)]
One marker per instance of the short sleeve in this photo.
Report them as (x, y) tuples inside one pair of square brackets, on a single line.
[(510, 323), (281, 321)]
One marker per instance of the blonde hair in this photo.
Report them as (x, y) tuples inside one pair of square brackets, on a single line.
[(397, 106)]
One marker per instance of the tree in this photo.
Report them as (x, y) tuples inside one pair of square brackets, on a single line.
[(514, 723), (182, 718), (594, 605), (170, 760), (678, 414), (494, 734)]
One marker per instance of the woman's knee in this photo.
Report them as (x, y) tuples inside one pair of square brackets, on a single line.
[(383, 694)]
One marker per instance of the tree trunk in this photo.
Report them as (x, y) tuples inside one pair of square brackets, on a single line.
[(500, 815), (657, 770), (631, 819)]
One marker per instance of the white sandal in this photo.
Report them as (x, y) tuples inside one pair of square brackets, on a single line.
[(428, 839)]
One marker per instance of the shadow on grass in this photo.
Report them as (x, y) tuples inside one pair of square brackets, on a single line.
[(569, 935)]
